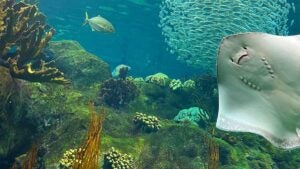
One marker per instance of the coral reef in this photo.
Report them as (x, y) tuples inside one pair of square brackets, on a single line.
[(194, 114), (54, 114), (118, 92), (193, 29), (146, 123), (68, 159), (158, 79), (23, 36), (113, 159), (189, 85), (175, 84), (176, 145)]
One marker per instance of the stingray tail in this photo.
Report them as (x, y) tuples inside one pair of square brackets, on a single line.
[(86, 19)]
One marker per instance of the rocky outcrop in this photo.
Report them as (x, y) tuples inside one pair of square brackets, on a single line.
[(82, 67)]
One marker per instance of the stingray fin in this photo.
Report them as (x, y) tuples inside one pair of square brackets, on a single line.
[(297, 37)]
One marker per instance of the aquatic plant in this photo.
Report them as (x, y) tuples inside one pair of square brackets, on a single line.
[(88, 157), (24, 34), (205, 95), (146, 123), (113, 159), (118, 92), (193, 28), (29, 160), (214, 154)]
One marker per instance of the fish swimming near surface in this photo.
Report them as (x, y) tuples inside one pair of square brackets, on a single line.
[(99, 24)]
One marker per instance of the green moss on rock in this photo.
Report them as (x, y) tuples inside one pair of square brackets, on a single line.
[(82, 67)]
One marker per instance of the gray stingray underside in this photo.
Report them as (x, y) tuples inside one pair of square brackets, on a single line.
[(259, 86)]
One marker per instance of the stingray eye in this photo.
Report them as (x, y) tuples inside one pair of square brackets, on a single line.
[(245, 47)]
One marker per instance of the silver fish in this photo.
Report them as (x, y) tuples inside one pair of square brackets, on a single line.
[(99, 24)]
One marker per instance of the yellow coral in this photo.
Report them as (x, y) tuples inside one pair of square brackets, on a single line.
[(69, 158), (23, 27), (158, 79)]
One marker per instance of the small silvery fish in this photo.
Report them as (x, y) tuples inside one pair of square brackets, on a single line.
[(99, 24)]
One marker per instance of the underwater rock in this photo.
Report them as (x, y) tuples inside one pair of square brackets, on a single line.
[(81, 67), (15, 129), (5, 85)]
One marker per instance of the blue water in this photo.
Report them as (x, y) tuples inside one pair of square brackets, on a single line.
[(137, 41), (295, 29)]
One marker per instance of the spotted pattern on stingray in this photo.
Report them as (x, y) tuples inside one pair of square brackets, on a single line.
[(268, 67), (250, 84)]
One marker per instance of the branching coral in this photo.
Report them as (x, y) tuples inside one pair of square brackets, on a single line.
[(175, 84), (189, 84), (194, 28), (113, 159), (69, 158), (118, 92), (23, 36), (146, 123), (158, 79), (30, 1)]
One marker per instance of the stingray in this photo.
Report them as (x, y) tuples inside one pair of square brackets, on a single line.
[(259, 86)]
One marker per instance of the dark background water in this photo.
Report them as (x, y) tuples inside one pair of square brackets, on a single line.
[(137, 42)]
